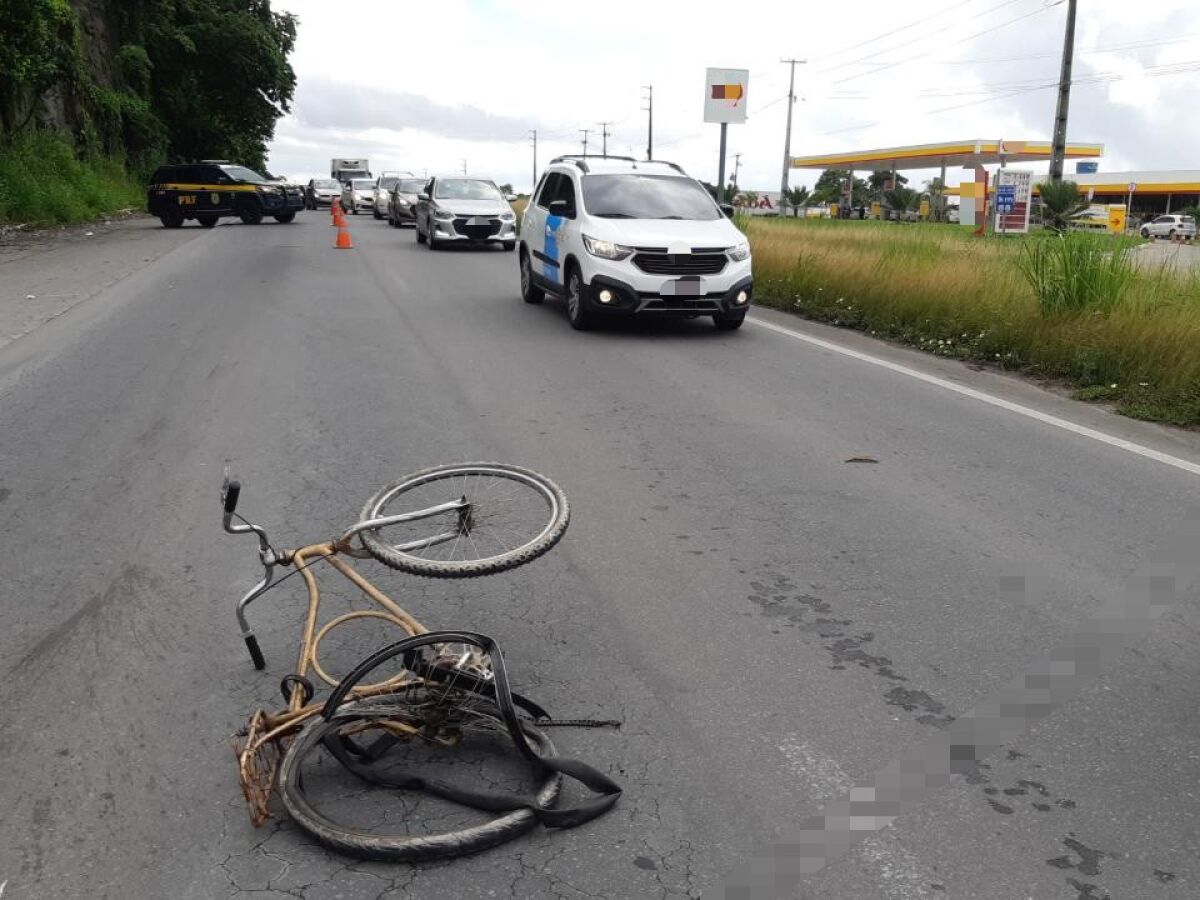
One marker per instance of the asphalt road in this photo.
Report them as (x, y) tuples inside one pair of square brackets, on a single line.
[(770, 622)]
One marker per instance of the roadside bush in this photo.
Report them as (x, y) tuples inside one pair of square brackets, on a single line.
[(44, 182), (1072, 272)]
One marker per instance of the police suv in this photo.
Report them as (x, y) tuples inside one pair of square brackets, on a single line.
[(613, 235), (209, 190)]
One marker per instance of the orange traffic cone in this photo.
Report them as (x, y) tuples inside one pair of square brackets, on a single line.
[(343, 241)]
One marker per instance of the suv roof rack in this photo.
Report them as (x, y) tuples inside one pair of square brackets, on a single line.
[(580, 160)]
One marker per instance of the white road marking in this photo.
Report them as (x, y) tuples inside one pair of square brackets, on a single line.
[(983, 397), (3, 885), (901, 876)]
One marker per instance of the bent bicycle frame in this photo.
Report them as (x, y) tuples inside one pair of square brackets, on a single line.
[(266, 730)]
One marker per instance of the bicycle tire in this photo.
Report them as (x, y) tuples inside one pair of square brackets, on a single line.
[(401, 848), (547, 537)]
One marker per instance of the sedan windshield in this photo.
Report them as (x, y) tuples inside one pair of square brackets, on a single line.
[(466, 189), (388, 183), (647, 197), (362, 184), (411, 185), (241, 173)]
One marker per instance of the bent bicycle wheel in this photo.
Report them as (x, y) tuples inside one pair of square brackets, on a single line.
[(396, 808), (465, 520)]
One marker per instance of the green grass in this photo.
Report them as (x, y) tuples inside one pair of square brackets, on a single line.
[(1074, 310), (43, 182)]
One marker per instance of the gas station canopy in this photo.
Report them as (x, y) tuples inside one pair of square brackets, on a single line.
[(931, 156)]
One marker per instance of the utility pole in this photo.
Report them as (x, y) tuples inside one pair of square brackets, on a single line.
[(464, 162), (585, 134), (533, 184), (604, 133), (737, 164), (650, 125), (787, 137), (1059, 150)]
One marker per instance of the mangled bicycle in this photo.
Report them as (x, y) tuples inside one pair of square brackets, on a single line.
[(440, 702)]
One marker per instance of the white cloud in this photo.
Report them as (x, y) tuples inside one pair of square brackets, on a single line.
[(423, 86)]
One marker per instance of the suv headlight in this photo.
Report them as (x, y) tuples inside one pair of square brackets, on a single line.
[(740, 252), (443, 215), (605, 249), (508, 217)]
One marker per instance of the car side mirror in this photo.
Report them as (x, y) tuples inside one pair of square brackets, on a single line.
[(560, 208), (727, 209)]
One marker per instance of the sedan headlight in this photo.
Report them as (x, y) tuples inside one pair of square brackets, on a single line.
[(740, 252), (605, 249), (508, 217), (443, 215)]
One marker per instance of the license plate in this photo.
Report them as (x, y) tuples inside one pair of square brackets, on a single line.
[(477, 220), (688, 286)]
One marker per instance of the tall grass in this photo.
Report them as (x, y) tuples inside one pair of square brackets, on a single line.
[(1071, 272), (939, 289), (43, 182)]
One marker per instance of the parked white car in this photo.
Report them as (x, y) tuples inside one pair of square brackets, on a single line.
[(1170, 226), (619, 236)]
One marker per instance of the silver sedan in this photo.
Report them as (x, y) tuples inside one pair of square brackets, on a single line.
[(458, 209)]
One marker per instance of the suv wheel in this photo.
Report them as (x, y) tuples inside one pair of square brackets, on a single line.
[(172, 219), (251, 216), (530, 292), (580, 317)]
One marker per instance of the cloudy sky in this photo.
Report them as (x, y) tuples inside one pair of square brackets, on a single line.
[(431, 86)]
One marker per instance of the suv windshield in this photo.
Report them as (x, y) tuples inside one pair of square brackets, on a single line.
[(388, 183), (326, 183), (411, 185), (362, 184), (466, 189), (241, 173), (647, 197)]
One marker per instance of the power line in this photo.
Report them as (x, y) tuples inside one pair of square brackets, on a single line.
[(916, 40), (1135, 45), (964, 40), (887, 34), (1087, 81)]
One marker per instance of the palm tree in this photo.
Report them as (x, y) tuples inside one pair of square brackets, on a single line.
[(902, 198), (1060, 202), (796, 198)]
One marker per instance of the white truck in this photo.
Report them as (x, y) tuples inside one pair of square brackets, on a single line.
[(345, 169)]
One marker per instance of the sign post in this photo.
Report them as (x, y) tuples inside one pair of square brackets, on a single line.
[(725, 103), (1129, 203)]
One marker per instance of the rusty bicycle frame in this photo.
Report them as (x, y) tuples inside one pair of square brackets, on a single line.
[(261, 749)]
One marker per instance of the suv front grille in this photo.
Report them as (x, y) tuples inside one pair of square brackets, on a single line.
[(680, 263)]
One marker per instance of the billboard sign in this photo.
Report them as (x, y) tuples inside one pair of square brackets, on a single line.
[(1014, 190), (725, 95)]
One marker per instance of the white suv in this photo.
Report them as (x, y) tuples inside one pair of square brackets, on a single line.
[(615, 235)]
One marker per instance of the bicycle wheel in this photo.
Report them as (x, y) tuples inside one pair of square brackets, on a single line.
[(474, 723), (466, 520)]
